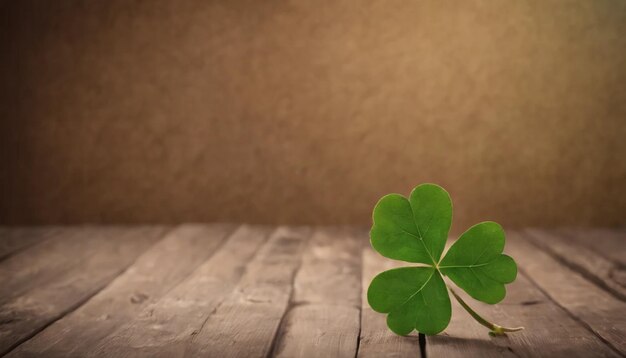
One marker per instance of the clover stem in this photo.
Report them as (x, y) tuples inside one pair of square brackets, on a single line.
[(496, 330)]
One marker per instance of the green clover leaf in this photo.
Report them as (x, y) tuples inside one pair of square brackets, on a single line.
[(415, 230)]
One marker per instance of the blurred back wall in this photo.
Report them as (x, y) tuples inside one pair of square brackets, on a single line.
[(309, 111)]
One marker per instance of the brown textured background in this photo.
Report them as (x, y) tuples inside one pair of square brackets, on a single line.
[(309, 111)]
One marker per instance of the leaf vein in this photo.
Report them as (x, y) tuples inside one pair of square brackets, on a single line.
[(419, 290), (421, 237)]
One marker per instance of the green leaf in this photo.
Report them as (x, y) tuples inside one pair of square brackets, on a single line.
[(414, 297), (476, 263), (415, 229)]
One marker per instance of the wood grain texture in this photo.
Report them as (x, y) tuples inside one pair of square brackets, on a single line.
[(166, 327), (245, 324), (153, 274), (257, 291), (594, 264), (610, 243), (13, 240), (376, 340), (324, 317), (44, 262), (550, 332), (84, 270), (595, 308)]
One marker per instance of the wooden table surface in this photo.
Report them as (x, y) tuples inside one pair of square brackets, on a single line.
[(221, 290)]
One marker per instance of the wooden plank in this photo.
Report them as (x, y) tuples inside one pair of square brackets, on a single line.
[(579, 257), (153, 274), (324, 318), (166, 327), (13, 240), (550, 332), (610, 243), (376, 340), (247, 321), (91, 265), (40, 264), (66, 248), (599, 311)]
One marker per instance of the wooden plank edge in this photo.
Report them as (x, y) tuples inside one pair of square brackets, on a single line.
[(571, 314), (305, 233), (534, 238), (296, 304), (290, 304), (81, 302), (54, 230)]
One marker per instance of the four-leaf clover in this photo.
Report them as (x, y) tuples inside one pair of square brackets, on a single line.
[(416, 230)]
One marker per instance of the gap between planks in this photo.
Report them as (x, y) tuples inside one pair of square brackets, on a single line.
[(373, 339), (16, 240), (323, 317), (570, 316), (152, 274), (593, 307), (246, 322), (551, 330), (606, 267), (42, 284), (237, 278)]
